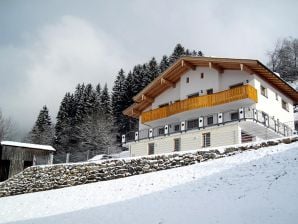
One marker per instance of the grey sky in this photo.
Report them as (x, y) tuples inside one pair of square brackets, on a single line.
[(47, 47)]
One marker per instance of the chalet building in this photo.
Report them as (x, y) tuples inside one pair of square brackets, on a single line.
[(16, 156), (201, 102)]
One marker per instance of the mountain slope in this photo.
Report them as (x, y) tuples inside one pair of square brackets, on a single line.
[(251, 187)]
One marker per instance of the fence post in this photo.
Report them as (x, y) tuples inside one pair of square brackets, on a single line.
[(88, 155), (67, 157)]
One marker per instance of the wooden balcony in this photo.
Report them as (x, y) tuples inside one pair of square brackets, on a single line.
[(227, 96)]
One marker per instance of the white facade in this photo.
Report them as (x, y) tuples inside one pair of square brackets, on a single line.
[(200, 80)]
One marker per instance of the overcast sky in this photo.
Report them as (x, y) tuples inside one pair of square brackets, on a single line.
[(47, 47)]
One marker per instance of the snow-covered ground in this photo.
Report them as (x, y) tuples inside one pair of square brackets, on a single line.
[(253, 187)]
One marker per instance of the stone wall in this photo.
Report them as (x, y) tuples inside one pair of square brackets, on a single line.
[(41, 178)]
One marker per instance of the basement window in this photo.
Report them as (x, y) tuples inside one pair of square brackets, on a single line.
[(206, 139), (177, 144), (285, 105), (150, 148), (264, 91)]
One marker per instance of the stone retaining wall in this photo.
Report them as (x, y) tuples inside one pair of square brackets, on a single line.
[(41, 178)]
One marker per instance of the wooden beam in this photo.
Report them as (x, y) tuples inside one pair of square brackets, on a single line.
[(246, 69), (216, 67), (147, 98), (188, 65), (166, 82), (135, 112)]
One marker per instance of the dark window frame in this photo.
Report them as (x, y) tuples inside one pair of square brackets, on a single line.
[(264, 91), (206, 139), (177, 144), (234, 116), (193, 95), (151, 148), (209, 91), (210, 120), (192, 124), (285, 105), (236, 85)]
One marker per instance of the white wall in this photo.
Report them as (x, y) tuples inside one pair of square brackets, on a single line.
[(272, 106), (228, 134), (212, 79)]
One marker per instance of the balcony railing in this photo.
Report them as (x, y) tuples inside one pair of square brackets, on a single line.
[(202, 122), (227, 96)]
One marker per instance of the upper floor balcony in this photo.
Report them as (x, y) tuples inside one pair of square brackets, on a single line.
[(223, 97)]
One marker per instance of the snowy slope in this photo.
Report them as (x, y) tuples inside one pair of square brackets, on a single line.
[(253, 187)]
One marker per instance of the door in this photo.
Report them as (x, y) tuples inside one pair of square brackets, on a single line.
[(4, 169)]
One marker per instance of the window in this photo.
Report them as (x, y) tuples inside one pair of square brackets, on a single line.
[(193, 95), (191, 124), (161, 131), (177, 127), (177, 144), (234, 116), (264, 91), (150, 148), (276, 96), (163, 105), (187, 79), (236, 85), (285, 105), (210, 120), (202, 75), (209, 91), (206, 139)]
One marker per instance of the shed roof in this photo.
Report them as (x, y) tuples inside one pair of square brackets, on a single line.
[(28, 145)]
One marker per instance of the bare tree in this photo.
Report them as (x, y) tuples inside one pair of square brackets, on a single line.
[(6, 127), (284, 58)]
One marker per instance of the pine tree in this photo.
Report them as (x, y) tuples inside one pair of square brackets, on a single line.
[(153, 69), (42, 132), (177, 53), (164, 63), (105, 100)]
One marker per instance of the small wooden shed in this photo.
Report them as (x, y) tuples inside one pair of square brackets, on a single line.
[(16, 156)]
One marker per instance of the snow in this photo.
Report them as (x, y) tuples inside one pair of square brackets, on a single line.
[(28, 145), (123, 154), (251, 187)]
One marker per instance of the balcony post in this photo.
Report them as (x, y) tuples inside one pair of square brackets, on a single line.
[(136, 136), (201, 122), (219, 118), (182, 126), (166, 129), (123, 139), (150, 133)]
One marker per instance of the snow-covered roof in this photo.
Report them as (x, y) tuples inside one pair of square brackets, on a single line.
[(28, 145)]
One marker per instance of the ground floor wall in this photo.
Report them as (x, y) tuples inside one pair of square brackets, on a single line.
[(228, 134)]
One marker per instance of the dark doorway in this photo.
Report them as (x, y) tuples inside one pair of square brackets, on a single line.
[(4, 169), (28, 164)]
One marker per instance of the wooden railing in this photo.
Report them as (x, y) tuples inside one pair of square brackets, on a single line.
[(227, 96)]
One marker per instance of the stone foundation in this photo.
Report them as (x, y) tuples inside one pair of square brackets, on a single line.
[(41, 178)]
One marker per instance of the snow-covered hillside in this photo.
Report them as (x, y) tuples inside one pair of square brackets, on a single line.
[(252, 187)]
